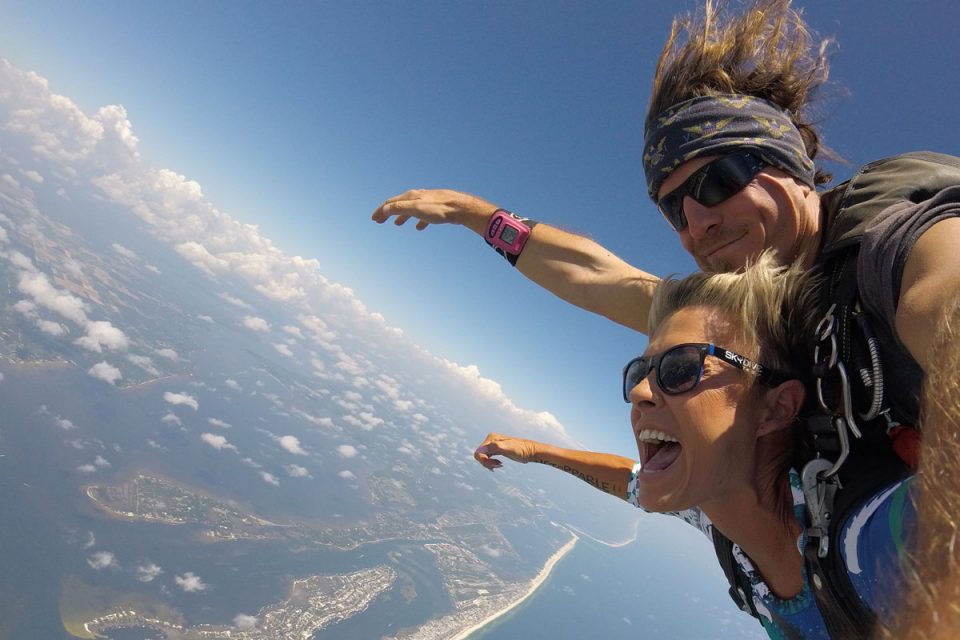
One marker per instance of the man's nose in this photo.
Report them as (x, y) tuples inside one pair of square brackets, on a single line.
[(701, 219)]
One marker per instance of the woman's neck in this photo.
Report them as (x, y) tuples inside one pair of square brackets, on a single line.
[(755, 522)]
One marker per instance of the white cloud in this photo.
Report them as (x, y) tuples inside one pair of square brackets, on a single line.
[(87, 468), (148, 572), (32, 175), (198, 255), (218, 423), (145, 363), (103, 560), (347, 450), (171, 418), (291, 444), (365, 420), (217, 441), (244, 622), (100, 334), (296, 471), (99, 154), (255, 324), (233, 384), (190, 582), (101, 462), (123, 251), (4, 238), (153, 269), (205, 318), (181, 398), (106, 372), (37, 286), (543, 423), (63, 423), (50, 327), (347, 475), (91, 541), (294, 331), (169, 354), (269, 478), (237, 302), (284, 349)]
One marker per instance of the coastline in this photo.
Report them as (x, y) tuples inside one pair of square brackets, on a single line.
[(534, 585), (622, 543)]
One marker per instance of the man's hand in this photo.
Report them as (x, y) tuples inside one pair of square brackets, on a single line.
[(436, 206)]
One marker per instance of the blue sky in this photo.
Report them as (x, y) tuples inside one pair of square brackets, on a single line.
[(302, 117)]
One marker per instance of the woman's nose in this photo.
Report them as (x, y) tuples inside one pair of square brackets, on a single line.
[(642, 392)]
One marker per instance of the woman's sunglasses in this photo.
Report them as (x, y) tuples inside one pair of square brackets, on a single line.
[(680, 368), (710, 185)]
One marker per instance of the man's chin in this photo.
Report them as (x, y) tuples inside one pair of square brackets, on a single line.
[(729, 258)]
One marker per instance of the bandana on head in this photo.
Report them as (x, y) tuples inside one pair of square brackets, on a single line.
[(720, 125)]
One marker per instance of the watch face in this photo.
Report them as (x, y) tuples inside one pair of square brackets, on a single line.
[(509, 234)]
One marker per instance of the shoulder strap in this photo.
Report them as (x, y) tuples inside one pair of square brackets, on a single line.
[(741, 592)]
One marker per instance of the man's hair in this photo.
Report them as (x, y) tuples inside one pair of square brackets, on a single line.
[(771, 308), (767, 51)]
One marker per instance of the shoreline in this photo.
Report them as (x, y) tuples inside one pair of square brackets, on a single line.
[(622, 543), (534, 585)]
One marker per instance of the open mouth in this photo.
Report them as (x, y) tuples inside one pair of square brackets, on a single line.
[(657, 450)]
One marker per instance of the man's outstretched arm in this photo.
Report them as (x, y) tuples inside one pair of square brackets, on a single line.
[(572, 267)]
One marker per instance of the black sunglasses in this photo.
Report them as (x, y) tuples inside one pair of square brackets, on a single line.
[(680, 368), (710, 185)]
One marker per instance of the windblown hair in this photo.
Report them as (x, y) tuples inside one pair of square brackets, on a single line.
[(767, 51), (773, 307)]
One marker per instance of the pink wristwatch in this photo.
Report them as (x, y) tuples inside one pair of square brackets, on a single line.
[(508, 233)]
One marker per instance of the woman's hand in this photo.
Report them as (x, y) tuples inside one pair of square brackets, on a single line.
[(436, 206), (516, 449)]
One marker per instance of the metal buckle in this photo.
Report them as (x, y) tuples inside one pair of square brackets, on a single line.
[(819, 492)]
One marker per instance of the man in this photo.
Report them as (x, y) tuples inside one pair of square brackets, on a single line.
[(729, 160)]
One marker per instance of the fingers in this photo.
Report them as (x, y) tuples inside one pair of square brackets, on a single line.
[(482, 455), (396, 205)]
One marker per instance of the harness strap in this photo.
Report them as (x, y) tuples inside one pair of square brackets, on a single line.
[(871, 467), (741, 592)]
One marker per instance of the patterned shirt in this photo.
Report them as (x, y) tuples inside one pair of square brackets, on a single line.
[(872, 544)]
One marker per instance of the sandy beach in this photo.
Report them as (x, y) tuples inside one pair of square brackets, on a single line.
[(534, 585)]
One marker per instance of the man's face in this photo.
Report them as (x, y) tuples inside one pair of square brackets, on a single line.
[(772, 211)]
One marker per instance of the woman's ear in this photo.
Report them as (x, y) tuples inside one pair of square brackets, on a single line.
[(781, 406)]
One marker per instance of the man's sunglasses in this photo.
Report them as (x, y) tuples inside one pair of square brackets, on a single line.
[(710, 185), (680, 368)]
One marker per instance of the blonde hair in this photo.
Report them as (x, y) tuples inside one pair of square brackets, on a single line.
[(772, 307), (767, 52), (772, 310)]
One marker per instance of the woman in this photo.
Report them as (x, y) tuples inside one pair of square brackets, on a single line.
[(714, 400)]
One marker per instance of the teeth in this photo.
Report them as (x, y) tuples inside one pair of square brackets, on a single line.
[(652, 435)]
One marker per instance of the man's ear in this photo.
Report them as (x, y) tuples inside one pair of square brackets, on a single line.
[(781, 406)]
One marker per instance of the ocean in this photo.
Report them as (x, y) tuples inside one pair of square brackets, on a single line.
[(664, 585)]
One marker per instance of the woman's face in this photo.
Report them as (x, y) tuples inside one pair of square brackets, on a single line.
[(713, 424)]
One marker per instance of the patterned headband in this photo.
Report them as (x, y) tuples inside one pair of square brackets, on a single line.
[(719, 125)]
